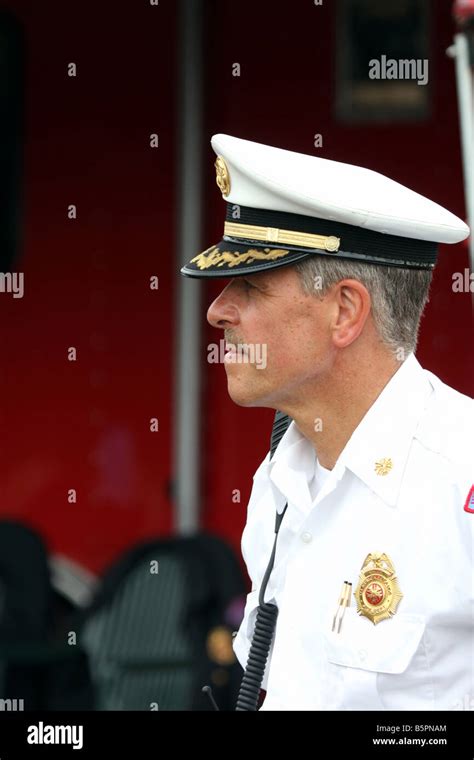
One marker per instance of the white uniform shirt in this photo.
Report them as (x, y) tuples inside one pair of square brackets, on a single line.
[(422, 658)]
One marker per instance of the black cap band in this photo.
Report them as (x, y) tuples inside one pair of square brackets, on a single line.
[(355, 242)]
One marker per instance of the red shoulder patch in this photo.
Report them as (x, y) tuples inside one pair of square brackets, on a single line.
[(469, 505)]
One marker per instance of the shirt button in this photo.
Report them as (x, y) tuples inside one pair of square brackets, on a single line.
[(362, 654), (306, 537)]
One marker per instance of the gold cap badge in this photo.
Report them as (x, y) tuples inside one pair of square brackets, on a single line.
[(377, 593), (222, 176)]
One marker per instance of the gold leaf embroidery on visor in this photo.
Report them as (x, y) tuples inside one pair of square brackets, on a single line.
[(214, 257)]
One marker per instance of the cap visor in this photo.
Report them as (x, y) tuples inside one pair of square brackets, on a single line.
[(228, 259)]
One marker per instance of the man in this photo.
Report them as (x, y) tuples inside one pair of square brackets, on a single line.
[(330, 267)]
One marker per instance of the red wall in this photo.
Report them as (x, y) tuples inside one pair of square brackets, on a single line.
[(85, 424)]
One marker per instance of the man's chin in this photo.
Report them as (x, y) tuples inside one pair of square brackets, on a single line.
[(243, 396), (242, 399)]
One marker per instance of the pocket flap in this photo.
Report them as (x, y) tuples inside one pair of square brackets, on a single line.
[(386, 647)]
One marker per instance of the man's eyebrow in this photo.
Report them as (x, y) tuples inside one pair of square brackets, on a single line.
[(258, 278)]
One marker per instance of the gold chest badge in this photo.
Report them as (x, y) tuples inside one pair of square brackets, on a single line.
[(377, 593)]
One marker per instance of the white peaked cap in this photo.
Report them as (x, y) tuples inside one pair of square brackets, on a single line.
[(284, 206)]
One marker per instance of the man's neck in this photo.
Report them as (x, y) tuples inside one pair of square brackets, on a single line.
[(328, 412)]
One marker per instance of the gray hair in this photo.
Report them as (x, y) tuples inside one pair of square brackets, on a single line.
[(398, 295)]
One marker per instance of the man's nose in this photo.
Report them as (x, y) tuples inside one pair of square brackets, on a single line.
[(223, 311)]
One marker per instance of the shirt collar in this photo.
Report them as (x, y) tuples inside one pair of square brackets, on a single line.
[(378, 449), (290, 470)]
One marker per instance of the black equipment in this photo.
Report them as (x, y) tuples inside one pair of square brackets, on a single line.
[(267, 613)]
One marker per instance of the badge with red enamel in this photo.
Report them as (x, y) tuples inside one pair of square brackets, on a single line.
[(377, 593)]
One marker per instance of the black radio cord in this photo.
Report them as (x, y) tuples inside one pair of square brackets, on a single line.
[(267, 614), (265, 624)]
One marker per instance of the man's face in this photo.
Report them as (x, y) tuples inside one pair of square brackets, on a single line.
[(281, 336)]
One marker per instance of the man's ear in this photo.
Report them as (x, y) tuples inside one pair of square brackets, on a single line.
[(353, 304)]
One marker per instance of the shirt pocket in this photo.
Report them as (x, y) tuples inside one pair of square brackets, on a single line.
[(371, 666), (386, 647)]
